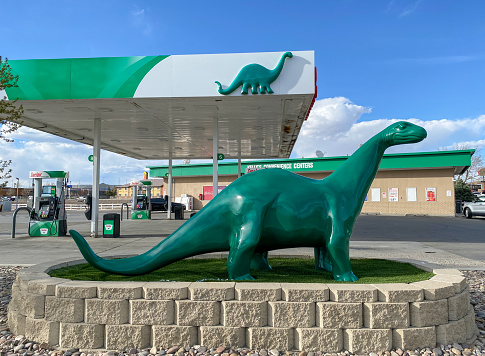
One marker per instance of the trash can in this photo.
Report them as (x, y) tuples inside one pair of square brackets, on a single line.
[(111, 225), (179, 212), (6, 205), (458, 207)]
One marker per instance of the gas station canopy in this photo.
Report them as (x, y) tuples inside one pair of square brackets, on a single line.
[(152, 105)]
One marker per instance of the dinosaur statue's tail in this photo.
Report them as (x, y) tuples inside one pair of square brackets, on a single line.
[(190, 239)]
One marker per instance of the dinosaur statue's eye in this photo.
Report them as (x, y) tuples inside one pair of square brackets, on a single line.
[(402, 126)]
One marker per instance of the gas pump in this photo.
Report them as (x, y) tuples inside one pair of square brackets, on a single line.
[(48, 214), (141, 206)]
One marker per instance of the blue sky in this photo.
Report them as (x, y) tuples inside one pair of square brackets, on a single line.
[(377, 61)]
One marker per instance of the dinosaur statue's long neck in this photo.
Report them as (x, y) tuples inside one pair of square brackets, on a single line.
[(279, 67), (356, 174)]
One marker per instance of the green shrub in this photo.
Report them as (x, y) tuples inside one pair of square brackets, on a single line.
[(462, 191)]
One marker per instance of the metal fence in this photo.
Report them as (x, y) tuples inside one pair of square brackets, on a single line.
[(77, 207)]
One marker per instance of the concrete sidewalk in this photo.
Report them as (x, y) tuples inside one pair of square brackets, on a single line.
[(138, 236)]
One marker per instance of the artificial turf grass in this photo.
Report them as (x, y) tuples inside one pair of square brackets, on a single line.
[(287, 270)]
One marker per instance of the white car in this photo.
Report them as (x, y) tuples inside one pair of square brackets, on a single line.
[(477, 208)]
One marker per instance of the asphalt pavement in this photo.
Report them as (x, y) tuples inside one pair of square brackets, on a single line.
[(431, 241)]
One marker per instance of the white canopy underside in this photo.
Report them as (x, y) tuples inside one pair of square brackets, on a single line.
[(267, 126)]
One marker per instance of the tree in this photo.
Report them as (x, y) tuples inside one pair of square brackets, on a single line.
[(111, 192), (462, 191), (10, 115), (471, 174)]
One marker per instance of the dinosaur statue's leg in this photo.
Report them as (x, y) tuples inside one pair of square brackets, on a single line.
[(254, 89), (322, 259), (268, 89), (262, 89), (260, 260), (338, 247), (245, 88), (242, 246)]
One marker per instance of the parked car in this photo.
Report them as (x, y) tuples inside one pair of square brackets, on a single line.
[(160, 204), (476, 208), (81, 199)]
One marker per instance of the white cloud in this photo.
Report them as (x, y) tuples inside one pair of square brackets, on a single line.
[(141, 22), (138, 12), (24, 134), (336, 115), (329, 123), (403, 8), (410, 9), (333, 128)]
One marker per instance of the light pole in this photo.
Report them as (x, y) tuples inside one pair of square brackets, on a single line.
[(17, 197)]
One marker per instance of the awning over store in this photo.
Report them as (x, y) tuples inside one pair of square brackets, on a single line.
[(457, 160)]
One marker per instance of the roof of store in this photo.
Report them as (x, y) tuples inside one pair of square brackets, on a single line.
[(459, 160), (155, 182)]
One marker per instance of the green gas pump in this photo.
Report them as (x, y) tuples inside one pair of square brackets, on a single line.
[(141, 206), (48, 212)]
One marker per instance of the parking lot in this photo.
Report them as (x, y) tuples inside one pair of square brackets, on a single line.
[(444, 241)]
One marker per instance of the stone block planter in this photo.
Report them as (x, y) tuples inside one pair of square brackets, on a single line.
[(326, 317)]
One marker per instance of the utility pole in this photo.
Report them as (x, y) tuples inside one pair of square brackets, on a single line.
[(17, 197)]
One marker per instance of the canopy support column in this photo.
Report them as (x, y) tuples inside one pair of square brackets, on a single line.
[(96, 169), (170, 180), (215, 163), (239, 159)]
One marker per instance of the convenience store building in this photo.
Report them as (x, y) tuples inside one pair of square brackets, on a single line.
[(406, 183)]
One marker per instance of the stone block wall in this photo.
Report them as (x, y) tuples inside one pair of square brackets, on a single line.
[(284, 316)]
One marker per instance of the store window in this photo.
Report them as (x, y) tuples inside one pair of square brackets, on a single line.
[(375, 194), (411, 194)]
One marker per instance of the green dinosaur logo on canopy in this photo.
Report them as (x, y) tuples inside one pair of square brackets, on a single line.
[(255, 76)]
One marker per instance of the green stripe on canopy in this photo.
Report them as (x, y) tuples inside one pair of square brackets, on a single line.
[(80, 78)]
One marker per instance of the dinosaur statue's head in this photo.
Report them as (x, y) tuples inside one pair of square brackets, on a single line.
[(288, 54), (403, 132)]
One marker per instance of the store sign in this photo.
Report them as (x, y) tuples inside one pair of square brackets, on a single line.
[(288, 166), (253, 169), (393, 194), (207, 191), (39, 174), (430, 194)]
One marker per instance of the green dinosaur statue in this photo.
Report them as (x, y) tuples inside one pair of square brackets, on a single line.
[(273, 209), (254, 76)]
